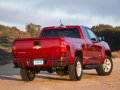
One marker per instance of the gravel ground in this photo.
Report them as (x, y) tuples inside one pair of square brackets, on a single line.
[(11, 80)]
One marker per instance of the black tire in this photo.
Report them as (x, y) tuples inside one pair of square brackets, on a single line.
[(27, 74), (106, 67), (75, 70), (62, 73)]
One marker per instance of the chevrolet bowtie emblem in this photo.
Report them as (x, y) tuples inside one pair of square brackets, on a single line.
[(37, 47)]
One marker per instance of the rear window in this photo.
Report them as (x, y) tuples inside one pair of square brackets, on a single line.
[(61, 33)]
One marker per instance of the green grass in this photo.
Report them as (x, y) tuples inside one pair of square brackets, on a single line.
[(5, 46)]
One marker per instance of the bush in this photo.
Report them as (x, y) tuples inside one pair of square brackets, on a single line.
[(111, 35)]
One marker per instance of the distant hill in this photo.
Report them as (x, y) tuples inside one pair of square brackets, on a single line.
[(8, 34)]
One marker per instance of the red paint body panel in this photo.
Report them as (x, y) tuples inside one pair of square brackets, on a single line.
[(58, 49), (50, 47)]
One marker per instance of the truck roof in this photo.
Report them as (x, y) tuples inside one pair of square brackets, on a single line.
[(62, 27)]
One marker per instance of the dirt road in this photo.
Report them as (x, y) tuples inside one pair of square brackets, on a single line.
[(11, 80)]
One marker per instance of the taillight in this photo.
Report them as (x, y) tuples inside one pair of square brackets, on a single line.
[(63, 48), (14, 49)]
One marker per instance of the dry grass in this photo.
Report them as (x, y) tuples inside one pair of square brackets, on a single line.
[(116, 54)]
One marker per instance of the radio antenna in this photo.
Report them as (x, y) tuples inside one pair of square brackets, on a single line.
[(61, 23)]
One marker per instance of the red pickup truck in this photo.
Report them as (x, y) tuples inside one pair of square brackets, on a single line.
[(64, 49)]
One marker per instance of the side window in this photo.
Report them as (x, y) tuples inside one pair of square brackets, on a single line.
[(84, 30), (92, 35)]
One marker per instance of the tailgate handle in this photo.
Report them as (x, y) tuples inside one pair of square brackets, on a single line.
[(37, 43)]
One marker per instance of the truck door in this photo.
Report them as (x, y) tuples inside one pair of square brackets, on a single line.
[(93, 49)]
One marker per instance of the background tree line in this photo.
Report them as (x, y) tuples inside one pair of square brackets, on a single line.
[(9, 34), (111, 35)]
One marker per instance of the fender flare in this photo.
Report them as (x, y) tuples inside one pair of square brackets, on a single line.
[(74, 50)]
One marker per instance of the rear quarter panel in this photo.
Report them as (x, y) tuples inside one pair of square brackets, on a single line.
[(73, 45)]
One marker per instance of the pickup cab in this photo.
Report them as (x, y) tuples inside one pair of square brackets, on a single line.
[(67, 50)]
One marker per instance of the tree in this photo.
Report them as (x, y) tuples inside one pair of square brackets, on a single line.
[(110, 33), (33, 29), (0, 33), (9, 34)]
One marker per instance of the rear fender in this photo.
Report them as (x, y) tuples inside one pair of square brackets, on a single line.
[(73, 49)]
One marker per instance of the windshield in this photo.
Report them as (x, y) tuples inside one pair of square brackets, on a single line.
[(61, 33)]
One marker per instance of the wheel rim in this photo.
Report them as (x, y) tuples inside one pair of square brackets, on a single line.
[(78, 68), (107, 65)]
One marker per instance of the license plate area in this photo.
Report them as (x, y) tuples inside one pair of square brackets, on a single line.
[(38, 62)]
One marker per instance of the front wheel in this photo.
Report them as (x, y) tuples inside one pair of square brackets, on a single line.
[(75, 70), (106, 67), (27, 74)]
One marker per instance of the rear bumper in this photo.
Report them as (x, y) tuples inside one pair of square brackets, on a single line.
[(47, 63)]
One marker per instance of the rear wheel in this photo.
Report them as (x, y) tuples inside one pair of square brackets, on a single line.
[(27, 74), (106, 67), (75, 70)]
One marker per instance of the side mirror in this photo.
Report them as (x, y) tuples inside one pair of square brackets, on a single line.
[(93, 39), (101, 38)]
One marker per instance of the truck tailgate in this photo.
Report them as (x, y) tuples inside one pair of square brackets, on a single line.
[(36, 48)]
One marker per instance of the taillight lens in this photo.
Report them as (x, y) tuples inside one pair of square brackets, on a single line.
[(63, 47)]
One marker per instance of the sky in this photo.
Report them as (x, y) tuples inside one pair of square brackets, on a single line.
[(49, 12)]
